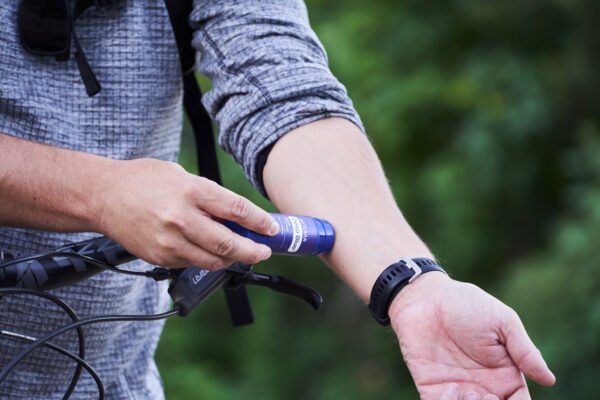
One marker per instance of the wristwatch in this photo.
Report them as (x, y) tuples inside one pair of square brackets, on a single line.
[(392, 280)]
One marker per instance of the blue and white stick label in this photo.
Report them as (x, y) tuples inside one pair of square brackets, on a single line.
[(298, 232)]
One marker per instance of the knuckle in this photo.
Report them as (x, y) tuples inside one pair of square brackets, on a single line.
[(240, 208), (204, 190), (175, 166), (216, 264), (165, 215), (513, 316), (204, 181), (172, 218), (207, 185), (179, 222), (189, 189), (225, 247), (255, 257), (167, 246), (264, 223)]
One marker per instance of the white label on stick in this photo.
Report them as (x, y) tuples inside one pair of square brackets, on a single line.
[(296, 234)]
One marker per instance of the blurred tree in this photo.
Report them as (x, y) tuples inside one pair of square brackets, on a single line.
[(486, 117)]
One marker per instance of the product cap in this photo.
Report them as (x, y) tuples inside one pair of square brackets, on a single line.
[(326, 236)]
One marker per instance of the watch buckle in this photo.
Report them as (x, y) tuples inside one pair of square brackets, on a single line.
[(410, 264)]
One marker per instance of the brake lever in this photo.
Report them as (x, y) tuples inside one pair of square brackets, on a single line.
[(279, 284)]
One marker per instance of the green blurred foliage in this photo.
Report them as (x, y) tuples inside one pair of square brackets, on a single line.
[(486, 117)]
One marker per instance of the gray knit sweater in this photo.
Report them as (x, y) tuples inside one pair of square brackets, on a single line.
[(269, 75)]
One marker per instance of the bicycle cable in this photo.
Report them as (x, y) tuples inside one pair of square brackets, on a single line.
[(156, 273), (69, 311), (80, 362), (78, 324), (189, 287)]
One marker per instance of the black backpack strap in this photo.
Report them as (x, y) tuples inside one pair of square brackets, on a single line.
[(208, 165), (92, 86)]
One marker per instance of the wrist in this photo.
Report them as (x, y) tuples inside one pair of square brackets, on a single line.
[(393, 280), (418, 290), (105, 183)]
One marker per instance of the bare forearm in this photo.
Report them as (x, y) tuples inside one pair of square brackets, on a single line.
[(154, 208), (329, 169), (45, 187)]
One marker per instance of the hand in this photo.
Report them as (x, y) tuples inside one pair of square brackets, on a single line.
[(461, 343), (166, 216)]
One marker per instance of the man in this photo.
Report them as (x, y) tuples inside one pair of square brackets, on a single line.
[(69, 163)]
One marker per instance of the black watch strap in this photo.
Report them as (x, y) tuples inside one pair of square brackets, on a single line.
[(392, 280)]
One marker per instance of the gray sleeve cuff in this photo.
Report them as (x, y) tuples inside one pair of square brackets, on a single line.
[(286, 117), (269, 75)]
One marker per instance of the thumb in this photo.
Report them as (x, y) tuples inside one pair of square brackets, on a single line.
[(524, 353)]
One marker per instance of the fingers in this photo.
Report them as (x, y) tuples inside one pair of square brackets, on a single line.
[(166, 218), (521, 394), (524, 353), (190, 254), (490, 397), (222, 243), (223, 203), (476, 396), (452, 392)]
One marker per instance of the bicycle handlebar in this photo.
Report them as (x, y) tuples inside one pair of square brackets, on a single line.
[(64, 266), (70, 264)]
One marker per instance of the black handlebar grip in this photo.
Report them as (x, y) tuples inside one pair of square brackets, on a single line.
[(57, 268)]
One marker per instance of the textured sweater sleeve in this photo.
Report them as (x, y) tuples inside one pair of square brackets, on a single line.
[(269, 75)]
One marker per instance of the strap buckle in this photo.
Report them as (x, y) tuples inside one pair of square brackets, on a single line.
[(411, 264)]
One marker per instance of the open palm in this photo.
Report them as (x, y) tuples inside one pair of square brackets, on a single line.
[(461, 343)]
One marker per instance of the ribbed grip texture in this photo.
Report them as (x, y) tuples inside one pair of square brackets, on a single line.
[(47, 271)]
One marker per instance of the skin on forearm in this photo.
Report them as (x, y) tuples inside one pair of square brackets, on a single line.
[(328, 169), (449, 332), (154, 208), (47, 188)]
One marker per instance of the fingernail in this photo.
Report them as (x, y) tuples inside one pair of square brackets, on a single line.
[(274, 228)]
